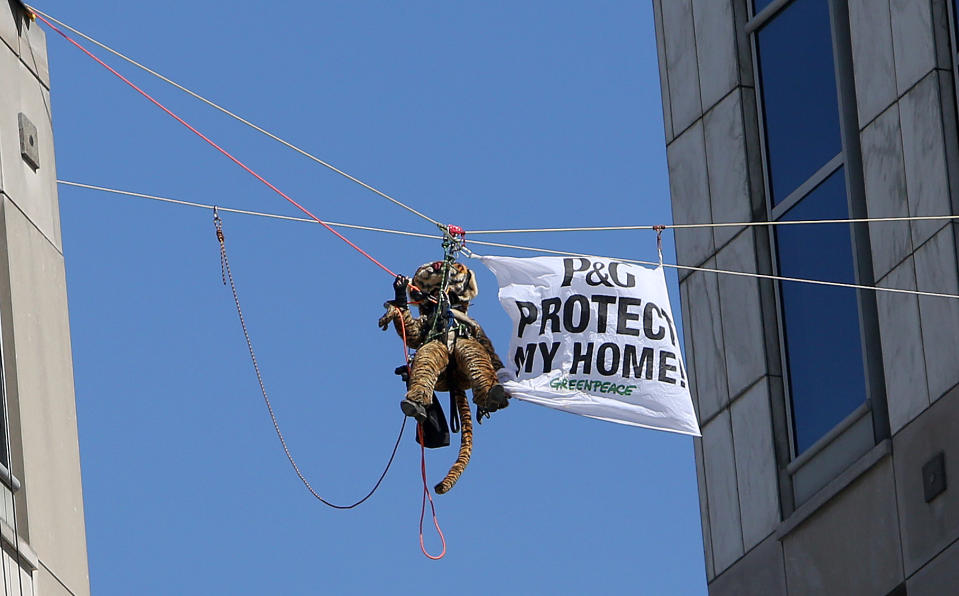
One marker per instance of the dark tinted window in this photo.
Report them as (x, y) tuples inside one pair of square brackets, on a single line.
[(800, 104), (758, 5), (4, 455), (821, 323), (955, 17)]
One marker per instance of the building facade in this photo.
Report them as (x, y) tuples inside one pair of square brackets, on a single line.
[(41, 503), (830, 415)]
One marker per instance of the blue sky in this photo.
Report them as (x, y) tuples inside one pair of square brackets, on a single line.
[(489, 116)]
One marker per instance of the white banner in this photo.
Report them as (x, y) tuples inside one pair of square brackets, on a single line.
[(594, 337)]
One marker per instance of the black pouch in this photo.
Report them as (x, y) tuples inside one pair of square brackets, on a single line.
[(436, 431)]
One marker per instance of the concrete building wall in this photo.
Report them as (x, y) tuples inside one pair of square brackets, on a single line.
[(849, 516), (50, 547)]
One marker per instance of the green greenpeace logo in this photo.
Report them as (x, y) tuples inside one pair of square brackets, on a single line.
[(592, 386)]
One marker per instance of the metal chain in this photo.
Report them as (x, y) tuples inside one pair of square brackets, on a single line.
[(225, 264)]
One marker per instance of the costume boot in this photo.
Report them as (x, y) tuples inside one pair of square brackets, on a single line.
[(472, 359)]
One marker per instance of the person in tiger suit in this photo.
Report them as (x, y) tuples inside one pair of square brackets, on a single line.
[(444, 338)]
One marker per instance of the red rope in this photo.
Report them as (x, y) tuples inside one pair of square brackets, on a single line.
[(406, 350), (426, 490), (427, 495), (214, 145)]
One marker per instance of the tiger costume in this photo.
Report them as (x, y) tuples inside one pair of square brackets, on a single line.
[(451, 355)]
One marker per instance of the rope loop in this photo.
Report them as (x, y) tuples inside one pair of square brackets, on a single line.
[(228, 275), (427, 495)]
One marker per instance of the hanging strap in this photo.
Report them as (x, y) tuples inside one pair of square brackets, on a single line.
[(454, 415)]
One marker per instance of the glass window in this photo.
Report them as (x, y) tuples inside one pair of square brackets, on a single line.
[(800, 104), (4, 455), (955, 18), (955, 34), (821, 334), (827, 378), (758, 5), (8, 484)]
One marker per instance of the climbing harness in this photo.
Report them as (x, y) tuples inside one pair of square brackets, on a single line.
[(454, 240)]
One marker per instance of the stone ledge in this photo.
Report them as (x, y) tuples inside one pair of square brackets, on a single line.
[(18, 547), (834, 487)]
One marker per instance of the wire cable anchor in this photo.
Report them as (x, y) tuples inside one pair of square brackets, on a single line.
[(218, 223), (659, 242)]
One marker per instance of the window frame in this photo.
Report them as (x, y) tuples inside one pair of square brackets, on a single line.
[(849, 439), (7, 477), (8, 480), (953, 26), (953, 46)]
